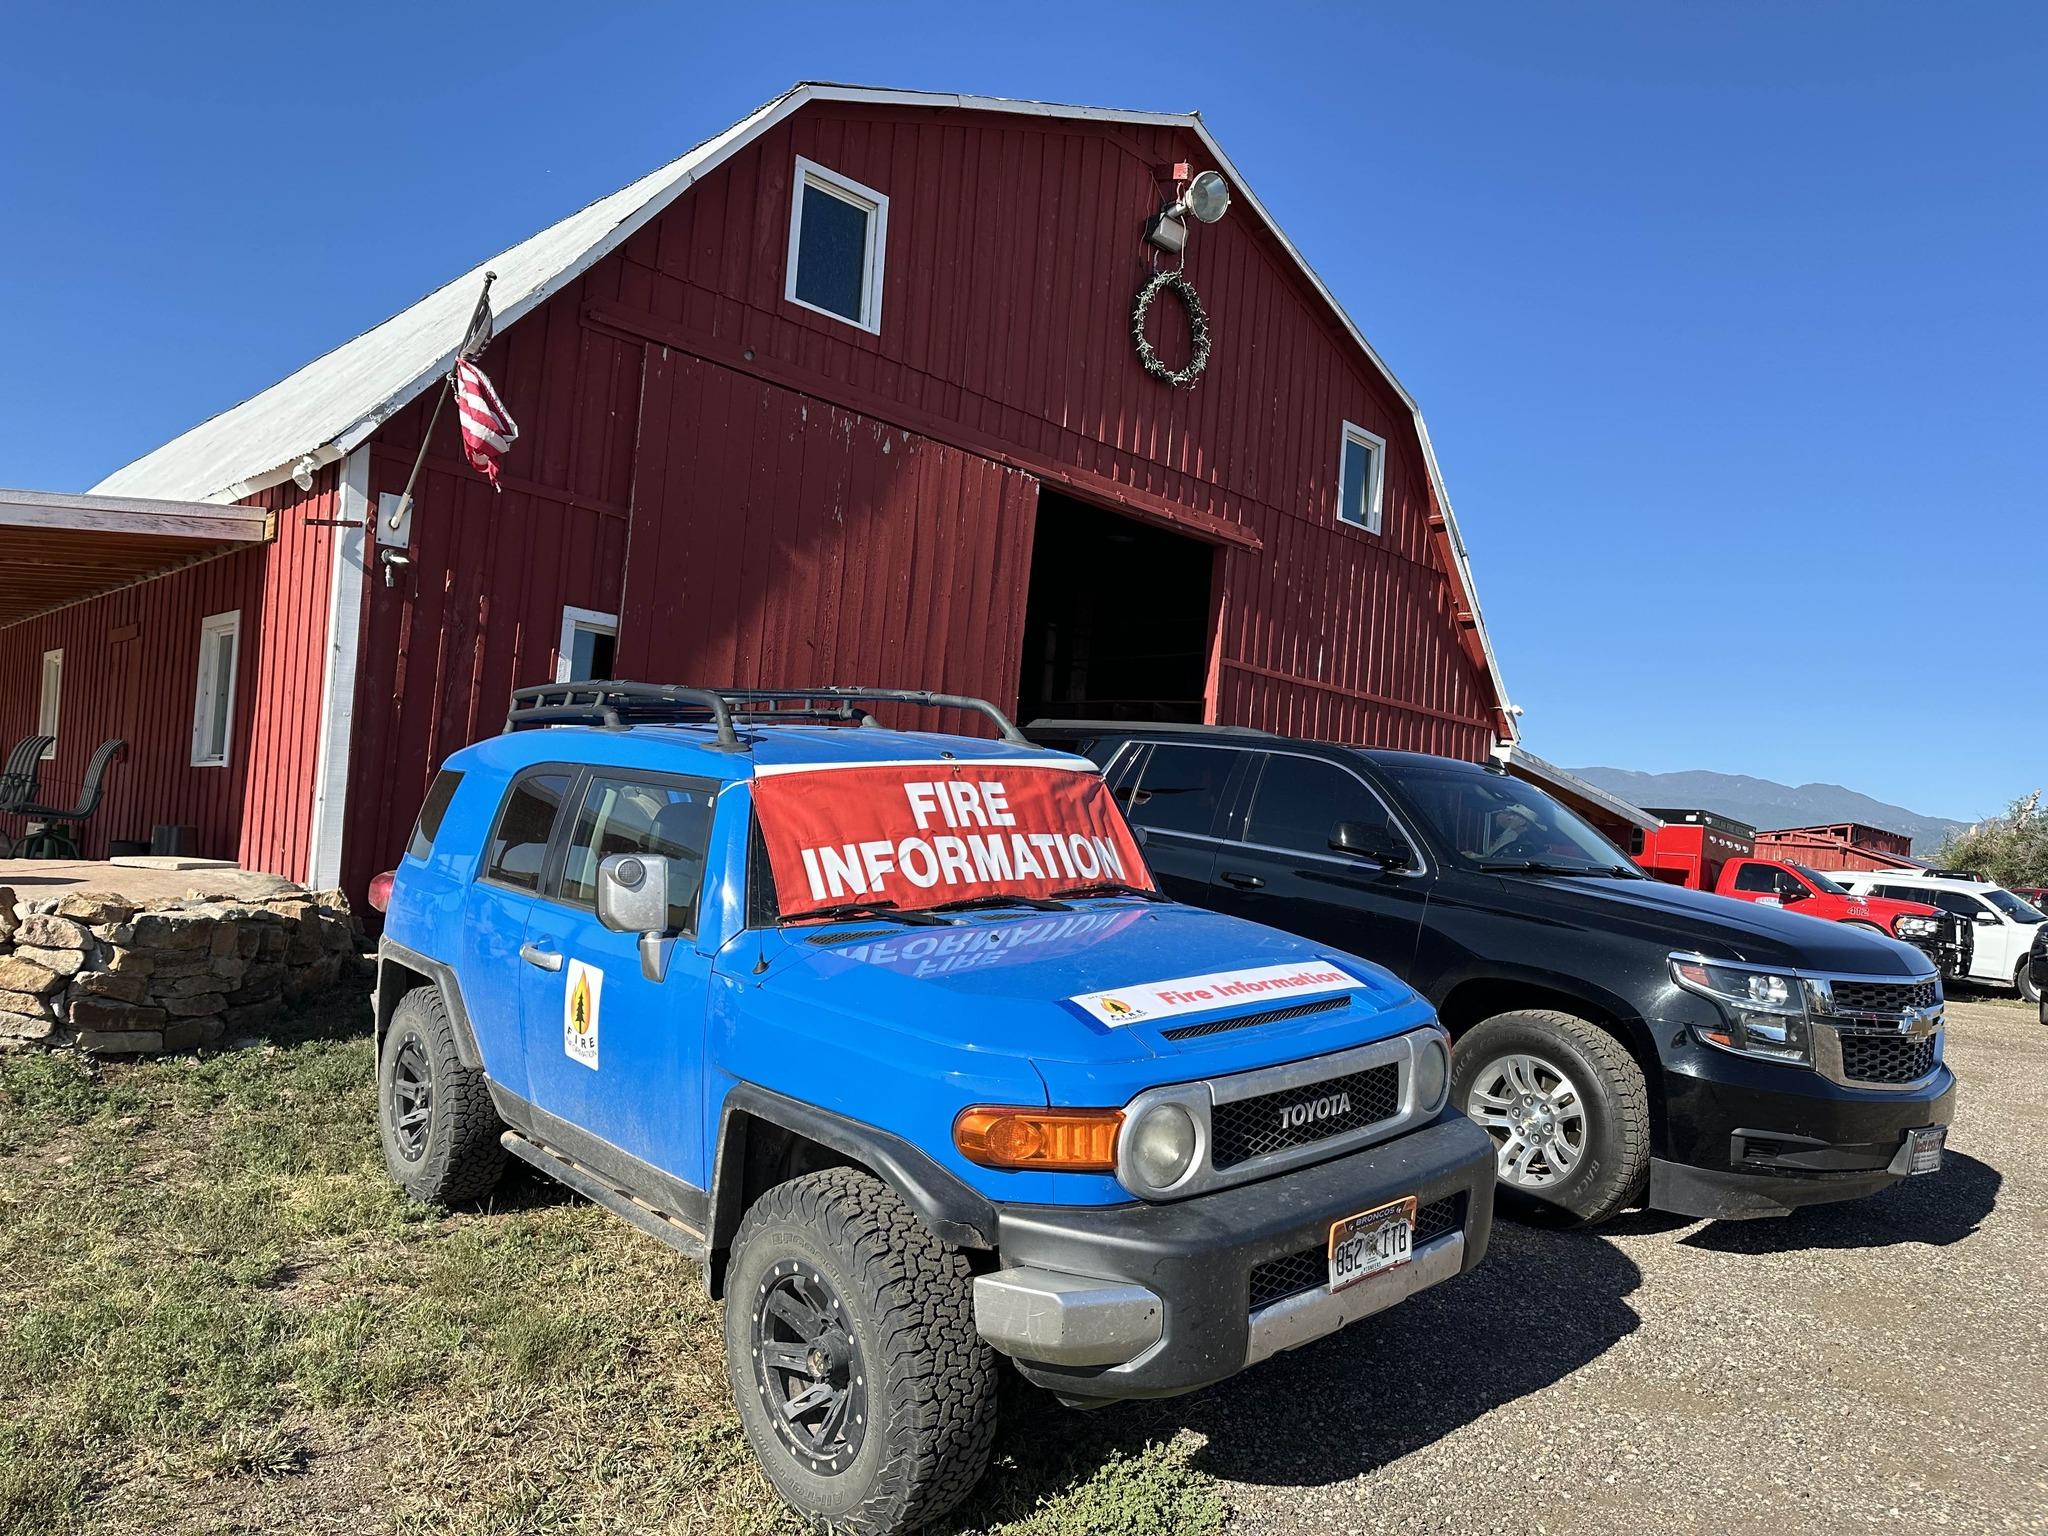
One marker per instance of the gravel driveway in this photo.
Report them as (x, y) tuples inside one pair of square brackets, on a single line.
[(1878, 1362)]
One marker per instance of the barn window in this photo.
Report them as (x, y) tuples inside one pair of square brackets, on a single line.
[(837, 231), (213, 711), (1361, 477), (589, 639), (46, 704)]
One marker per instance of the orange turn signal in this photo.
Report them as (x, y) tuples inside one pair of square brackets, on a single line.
[(1077, 1140)]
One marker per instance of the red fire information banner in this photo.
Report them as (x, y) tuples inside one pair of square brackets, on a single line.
[(919, 834)]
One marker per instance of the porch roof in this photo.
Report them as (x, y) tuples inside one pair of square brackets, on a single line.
[(57, 548)]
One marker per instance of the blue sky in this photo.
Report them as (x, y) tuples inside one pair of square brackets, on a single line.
[(1728, 320)]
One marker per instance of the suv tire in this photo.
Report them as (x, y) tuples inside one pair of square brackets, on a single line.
[(861, 1309), (1573, 1088), (2023, 978), (451, 1152)]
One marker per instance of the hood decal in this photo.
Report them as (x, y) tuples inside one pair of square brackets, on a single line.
[(1152, 1000)]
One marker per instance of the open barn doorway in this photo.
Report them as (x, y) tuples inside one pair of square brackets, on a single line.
[(1116, 626)]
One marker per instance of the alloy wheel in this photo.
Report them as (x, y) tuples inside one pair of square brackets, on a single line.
[(412, 1100), (1536, 1116), (808, 1367)]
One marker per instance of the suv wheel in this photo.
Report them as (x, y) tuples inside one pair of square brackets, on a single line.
[(850, 1343), (2023, 978), (1565, 1104), (434, 1115)]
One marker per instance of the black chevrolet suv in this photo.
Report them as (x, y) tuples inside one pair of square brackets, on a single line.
[(1625, 1041)]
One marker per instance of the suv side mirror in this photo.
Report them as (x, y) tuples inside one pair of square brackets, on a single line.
[(1381, 844), (632, 897), (1988, 919)]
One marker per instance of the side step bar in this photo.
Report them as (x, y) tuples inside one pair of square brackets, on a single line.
[(655, 1223)]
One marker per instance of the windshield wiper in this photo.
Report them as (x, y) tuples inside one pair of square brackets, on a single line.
[(1540, 867), (1114, 888), (883, 909), (976, 903)]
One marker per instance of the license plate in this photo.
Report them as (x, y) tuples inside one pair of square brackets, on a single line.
[(1364, 1245), (1923, 1148)]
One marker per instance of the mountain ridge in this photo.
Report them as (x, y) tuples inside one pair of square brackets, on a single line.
[(1765, 803)]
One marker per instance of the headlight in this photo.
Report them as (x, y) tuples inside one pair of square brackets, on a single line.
[(1911, 927), (1765, 1010), (1161, 1144), (1432, 1070)]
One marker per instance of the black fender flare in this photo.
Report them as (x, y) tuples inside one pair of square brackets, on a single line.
[(399, 970), (955, 1214)]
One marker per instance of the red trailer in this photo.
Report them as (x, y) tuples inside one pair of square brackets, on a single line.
[(1692, 845)]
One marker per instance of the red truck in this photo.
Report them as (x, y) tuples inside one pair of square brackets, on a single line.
[(1708, 852)]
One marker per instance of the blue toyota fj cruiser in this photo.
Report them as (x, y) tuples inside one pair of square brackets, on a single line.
[(891, 1030)]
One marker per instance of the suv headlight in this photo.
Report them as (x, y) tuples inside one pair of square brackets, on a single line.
[(1911, 927), (1765, 1011), (1162, 1143)]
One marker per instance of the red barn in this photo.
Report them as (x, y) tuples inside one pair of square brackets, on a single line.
[(847, 393)]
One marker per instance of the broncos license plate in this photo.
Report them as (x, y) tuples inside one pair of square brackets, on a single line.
[(1372, 1241)]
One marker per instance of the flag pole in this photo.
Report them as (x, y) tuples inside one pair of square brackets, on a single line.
[(479, 317)]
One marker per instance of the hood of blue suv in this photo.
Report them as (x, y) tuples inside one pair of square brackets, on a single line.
[(1079, 988)]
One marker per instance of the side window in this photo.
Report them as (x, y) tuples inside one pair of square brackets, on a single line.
[(1300, 800), (428, 827), (1962, 903), (1181, 788), (1757, 877), (670, 821), (1123, 783), (519, 842), (838, 236), (1361, 473), (589, 640)]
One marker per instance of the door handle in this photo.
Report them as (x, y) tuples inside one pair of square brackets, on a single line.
[(1241, 880), (546, 959)]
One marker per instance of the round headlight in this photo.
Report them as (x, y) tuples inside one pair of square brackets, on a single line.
[(1162, 1145), (1432, 1067)]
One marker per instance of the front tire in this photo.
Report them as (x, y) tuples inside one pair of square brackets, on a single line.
[(2023, 978), (1567, 1108), (434, 1115), (863, 1387)]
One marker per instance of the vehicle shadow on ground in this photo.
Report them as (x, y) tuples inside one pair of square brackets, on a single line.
[(1542, 1305), (1936, 1209)]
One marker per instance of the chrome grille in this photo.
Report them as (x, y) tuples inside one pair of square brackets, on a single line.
[(1885, 997), (1293, 1273), (1247, 1128), (1887, 1058), (1252, 1020)]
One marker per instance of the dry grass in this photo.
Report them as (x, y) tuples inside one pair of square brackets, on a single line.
[(220, 1317)]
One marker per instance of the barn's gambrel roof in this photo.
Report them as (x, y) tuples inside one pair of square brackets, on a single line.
[(331, 406)]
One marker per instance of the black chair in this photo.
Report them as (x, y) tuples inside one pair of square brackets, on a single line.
[(54, 840), (18, 780)]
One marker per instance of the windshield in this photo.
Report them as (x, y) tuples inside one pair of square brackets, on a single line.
[(1492, 819), (2013, 907), (907, 838), (1820, 882)]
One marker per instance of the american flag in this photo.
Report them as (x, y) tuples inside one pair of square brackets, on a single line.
[(487, 427)]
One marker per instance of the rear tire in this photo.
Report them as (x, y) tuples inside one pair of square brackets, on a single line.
[(434, 1115), (837, 1296), (1567, 1108)]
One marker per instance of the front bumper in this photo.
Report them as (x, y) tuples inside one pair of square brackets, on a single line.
[(1753, 1138), (1141, 1300)]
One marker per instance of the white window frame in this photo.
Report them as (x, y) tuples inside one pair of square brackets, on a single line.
[(574, 619), (1376, 480), (50, 700), (206, 709), (876, 205)]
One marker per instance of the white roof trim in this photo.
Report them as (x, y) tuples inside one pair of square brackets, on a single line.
[(331, 405)]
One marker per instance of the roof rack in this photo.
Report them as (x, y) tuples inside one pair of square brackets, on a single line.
[(617, 706)]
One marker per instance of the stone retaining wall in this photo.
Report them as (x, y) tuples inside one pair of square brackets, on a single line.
[(91, 969)]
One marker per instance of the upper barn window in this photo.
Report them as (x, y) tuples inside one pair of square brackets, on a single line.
[(837, 233), (1361, 477)]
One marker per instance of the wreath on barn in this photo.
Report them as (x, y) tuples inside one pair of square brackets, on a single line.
[(1175, 281)]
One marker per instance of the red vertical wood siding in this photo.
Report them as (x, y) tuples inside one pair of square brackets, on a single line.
[(131, 665)]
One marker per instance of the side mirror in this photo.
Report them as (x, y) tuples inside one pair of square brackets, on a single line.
[(632, 897), (1381, 844), (1988, 919)]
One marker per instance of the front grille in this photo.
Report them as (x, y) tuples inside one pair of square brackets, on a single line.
[(1293, 1273), (1250, 1020), (1249, 1128), (1885, 997), (1887, 1058)]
